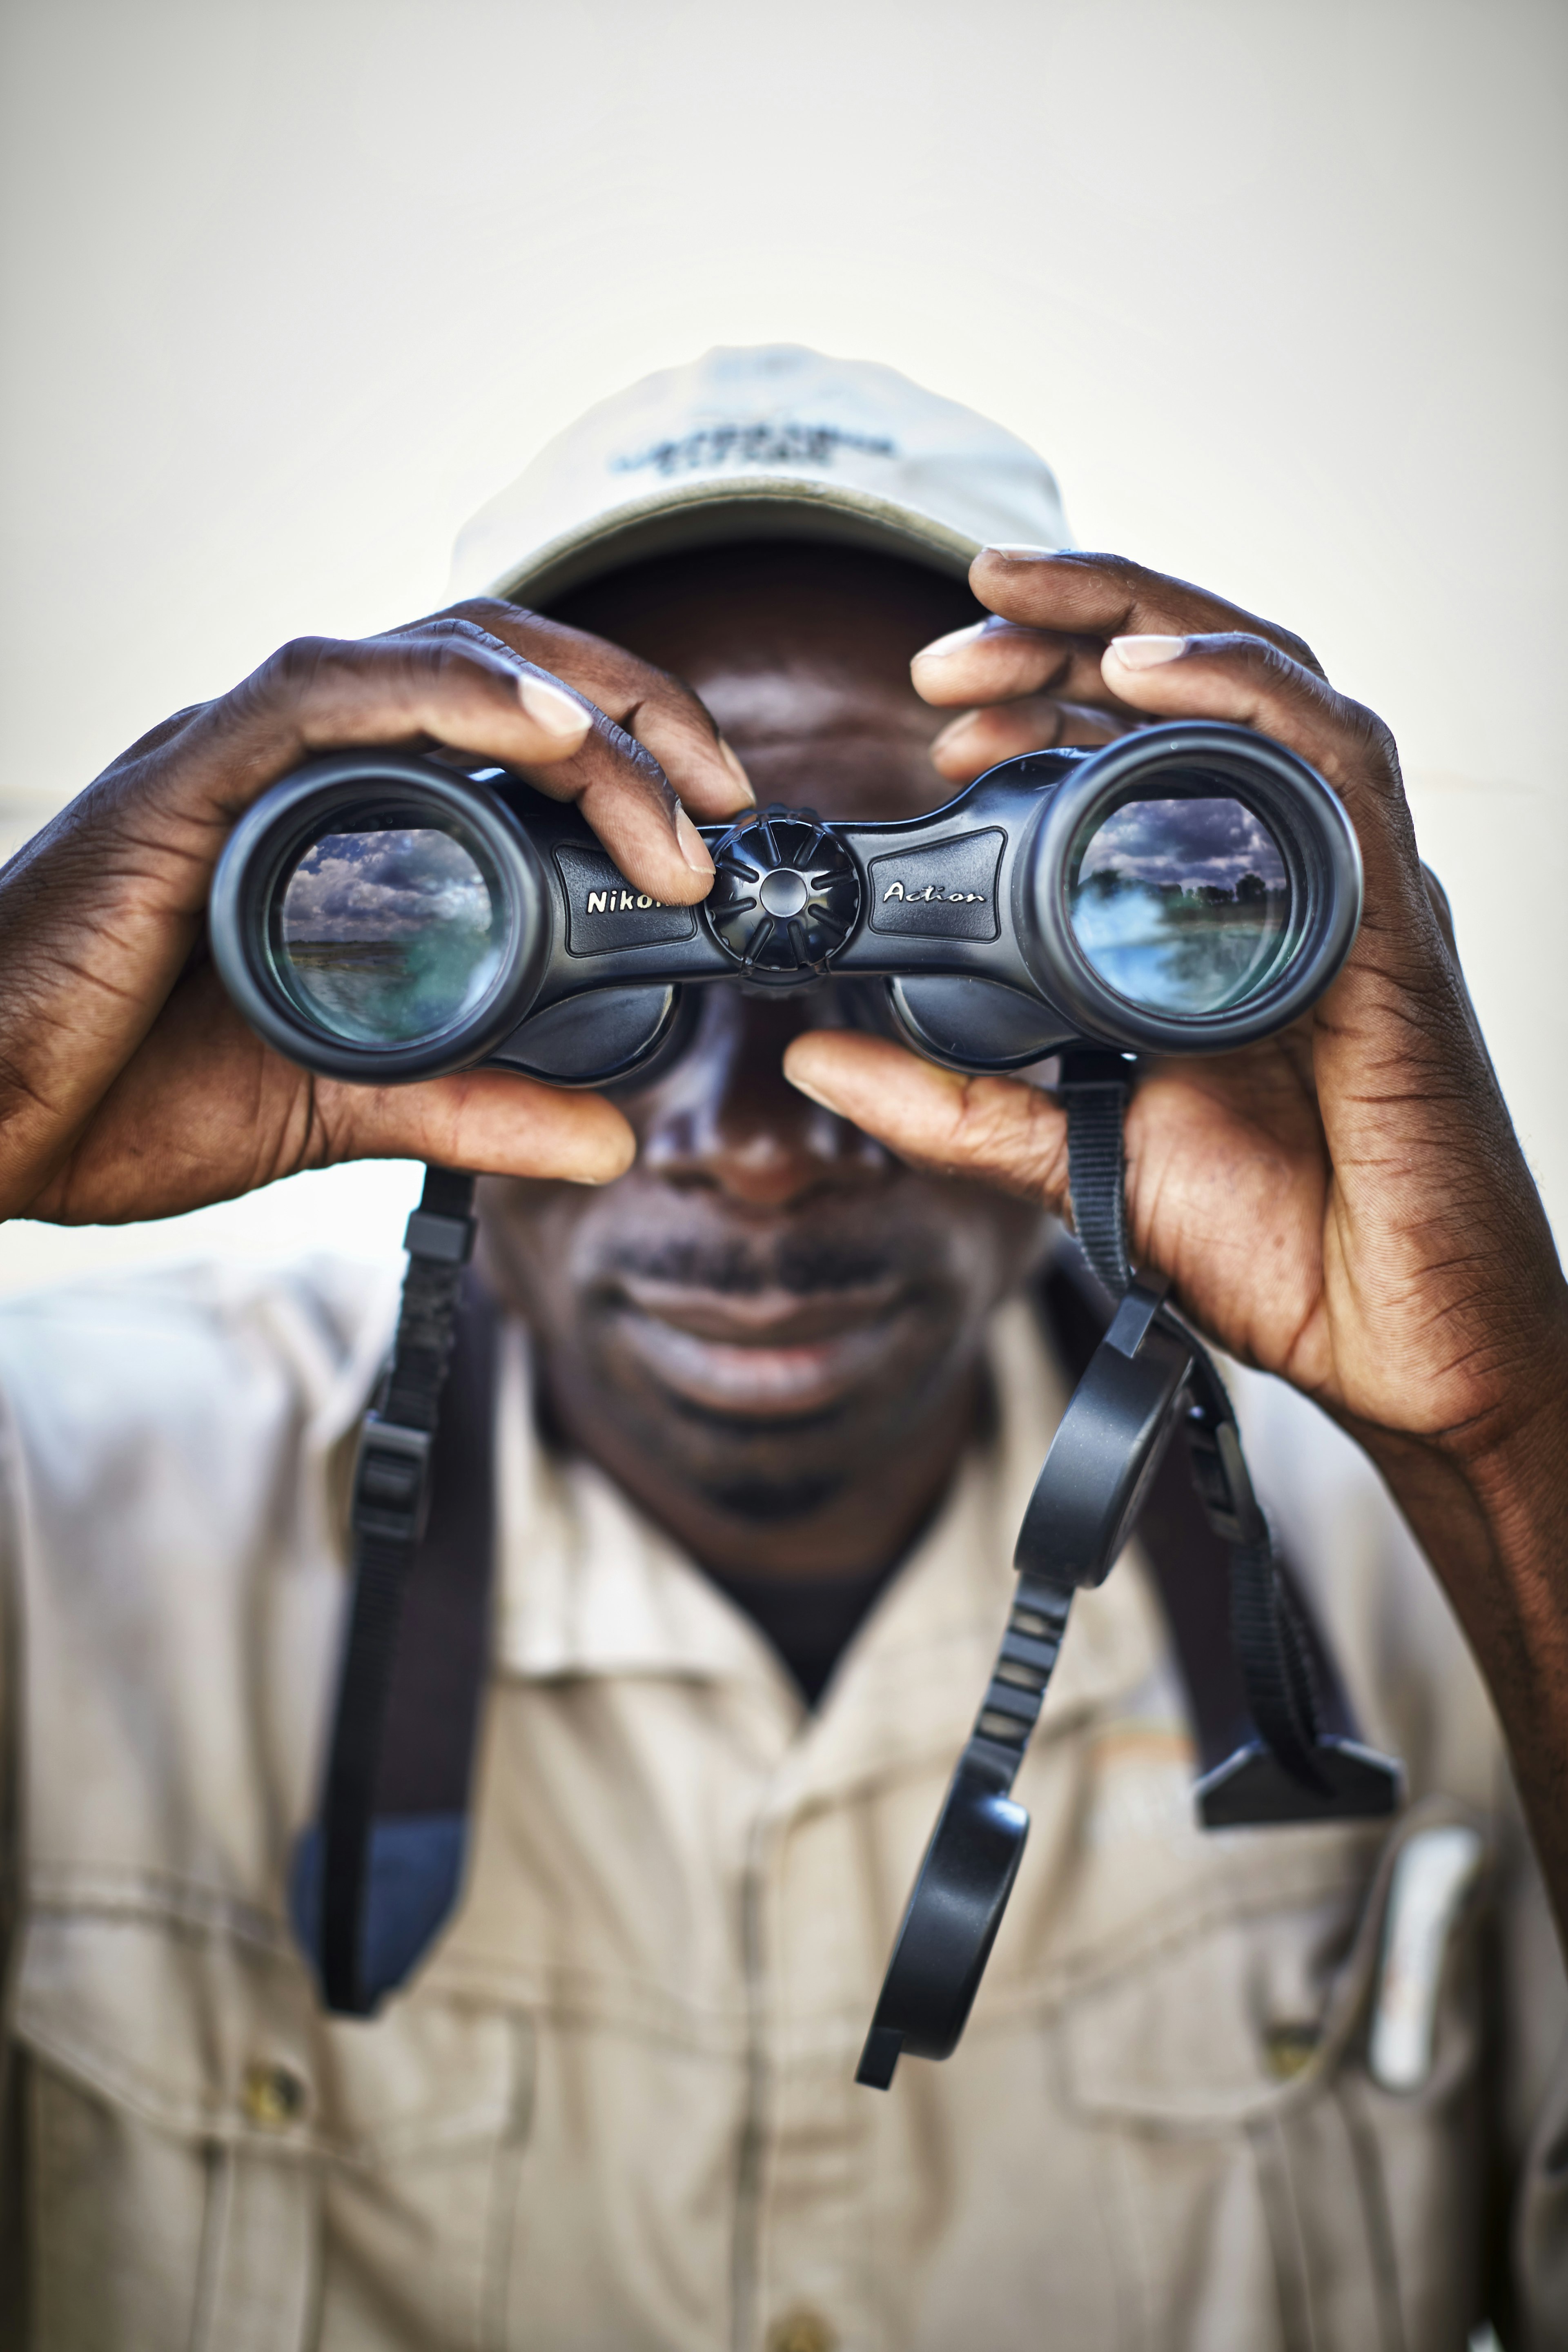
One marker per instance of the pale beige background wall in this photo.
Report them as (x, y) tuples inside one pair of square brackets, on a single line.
[(289, 288)]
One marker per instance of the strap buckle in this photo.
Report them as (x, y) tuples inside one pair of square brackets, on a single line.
[(445, 1240), (392, 1481)]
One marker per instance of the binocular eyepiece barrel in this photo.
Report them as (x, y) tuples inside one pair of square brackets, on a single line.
[(381, 916)]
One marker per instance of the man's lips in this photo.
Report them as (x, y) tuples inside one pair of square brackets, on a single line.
[(765, 1353)]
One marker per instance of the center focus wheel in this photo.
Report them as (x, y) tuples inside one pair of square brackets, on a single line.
[(786, 895)]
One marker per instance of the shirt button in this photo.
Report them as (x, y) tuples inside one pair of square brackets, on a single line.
[(1290, 2049), (271, 2093), (801, 2331)]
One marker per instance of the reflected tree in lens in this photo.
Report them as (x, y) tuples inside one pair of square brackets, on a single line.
[(1181, 905), (389, 936)]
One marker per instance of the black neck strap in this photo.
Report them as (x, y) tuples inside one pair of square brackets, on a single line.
[(1094, 1088), (392, 1492)]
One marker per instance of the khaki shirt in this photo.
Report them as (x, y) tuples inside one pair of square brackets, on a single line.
[(615, 2108)]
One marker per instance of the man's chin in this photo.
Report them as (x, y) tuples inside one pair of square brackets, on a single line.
[(744, 1457), (770, 1502), (767, 1473)]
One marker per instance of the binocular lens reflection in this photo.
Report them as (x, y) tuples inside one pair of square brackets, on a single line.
[(389, 935), (1181, 904)]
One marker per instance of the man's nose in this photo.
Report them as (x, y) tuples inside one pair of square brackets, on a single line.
[(726, 1116)]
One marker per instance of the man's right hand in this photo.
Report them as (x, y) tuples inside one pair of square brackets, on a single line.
[(130, 1087)]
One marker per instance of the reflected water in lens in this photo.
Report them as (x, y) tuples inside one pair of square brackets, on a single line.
[(389, 936), (1181, 905)]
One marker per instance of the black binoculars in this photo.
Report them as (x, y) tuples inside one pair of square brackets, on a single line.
[(383, 916)]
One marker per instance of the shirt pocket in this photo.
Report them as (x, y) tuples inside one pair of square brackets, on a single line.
[(1260, 2166), (215, 2164)]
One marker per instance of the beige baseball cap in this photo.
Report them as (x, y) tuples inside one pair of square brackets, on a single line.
[(771, 442)]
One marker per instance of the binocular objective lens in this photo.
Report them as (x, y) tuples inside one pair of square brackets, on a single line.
[(389, 935), (1181, 904)]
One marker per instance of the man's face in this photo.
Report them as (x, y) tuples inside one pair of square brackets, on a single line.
[(769, 1330)]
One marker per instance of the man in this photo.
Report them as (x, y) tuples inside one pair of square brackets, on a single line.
[(768, 1403)]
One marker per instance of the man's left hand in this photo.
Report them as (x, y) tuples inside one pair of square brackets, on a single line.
[(1344, 1204)]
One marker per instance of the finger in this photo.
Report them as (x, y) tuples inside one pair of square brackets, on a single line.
[(1000, 661), (443, 685), (648, 730), (995, 1131), (321, 694), (1107, 596), (616, 782), (968, 746), (1250, 682), (493, 1122), (625, 795), (1056, 613), (658, 710)]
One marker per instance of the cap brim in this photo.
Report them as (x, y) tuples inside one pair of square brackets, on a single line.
[(716, 513)]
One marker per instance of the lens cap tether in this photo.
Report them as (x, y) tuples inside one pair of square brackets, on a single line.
[(785, 895), (1149, 1378)]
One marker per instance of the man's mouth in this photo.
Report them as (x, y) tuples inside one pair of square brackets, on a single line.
[(767, 1353)]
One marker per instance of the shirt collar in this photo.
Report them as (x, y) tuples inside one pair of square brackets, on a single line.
[(588, 1586)]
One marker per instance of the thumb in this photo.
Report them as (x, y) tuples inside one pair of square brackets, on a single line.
[(997, 1130), (496, 1122)]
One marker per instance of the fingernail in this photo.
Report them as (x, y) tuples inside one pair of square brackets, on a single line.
[(954, 729), (693, 848), (957, 641), (550, 707), (810, 1093), (600, 1175), (1014, 547), (1146, 653), (739, 774)]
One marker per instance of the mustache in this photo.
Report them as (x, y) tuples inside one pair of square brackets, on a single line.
[(802, 1263)]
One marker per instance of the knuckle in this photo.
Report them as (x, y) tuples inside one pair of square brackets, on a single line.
[(1374, 735), (1271, 669), (1100, 559), (617, 774), (1268, 662), (444, 656), (634, 761), (441, 657), (646, 697), (292, 673), (485, 620), (647, 681), (686, 703), (1277, 664), (1132, 584), (1008, 1131), (486, 612), (1373, 745), (1295, 649), (1277, 653), (476, 623)]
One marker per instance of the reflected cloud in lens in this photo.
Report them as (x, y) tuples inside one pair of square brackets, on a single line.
[(1181, 905), (389, 936)]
